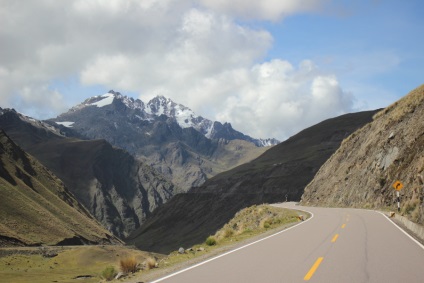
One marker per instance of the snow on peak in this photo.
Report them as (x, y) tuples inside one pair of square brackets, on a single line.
[(158, 106), (184, 116), (66, 124), (107, 99)]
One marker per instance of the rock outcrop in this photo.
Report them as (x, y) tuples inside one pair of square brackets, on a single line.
[(363, 170)]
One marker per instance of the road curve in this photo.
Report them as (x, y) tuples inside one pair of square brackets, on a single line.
[(336, 245)]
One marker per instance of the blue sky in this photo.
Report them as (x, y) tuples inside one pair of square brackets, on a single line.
[(373, 47), (271, 68)]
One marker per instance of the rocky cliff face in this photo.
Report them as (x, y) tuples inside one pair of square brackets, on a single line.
[(36, 208), (185, 148), (362, 171), (280, 173), (119, 190)]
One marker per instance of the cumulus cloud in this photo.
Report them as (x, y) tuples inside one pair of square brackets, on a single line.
[(195, 52), (284, 98)]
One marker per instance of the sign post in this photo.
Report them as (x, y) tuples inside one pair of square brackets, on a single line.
[(398, 186)]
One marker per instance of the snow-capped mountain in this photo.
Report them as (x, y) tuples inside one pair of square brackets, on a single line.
[(183, 115), (184, 147)]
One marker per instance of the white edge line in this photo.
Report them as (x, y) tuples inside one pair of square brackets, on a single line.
[(403, 231), (232, 251)]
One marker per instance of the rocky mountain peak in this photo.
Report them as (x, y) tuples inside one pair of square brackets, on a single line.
[(135, 109)]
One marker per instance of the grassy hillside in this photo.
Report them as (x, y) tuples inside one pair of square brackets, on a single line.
[(36, 208)]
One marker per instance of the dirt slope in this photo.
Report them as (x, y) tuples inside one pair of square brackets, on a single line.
[(362, 171)]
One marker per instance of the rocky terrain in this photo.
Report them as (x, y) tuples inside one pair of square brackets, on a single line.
[(36, 208), (280, 174), (185, 148), (119, 190), (363, 170)]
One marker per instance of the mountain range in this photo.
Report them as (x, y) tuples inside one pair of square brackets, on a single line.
[(102, 151), (118, 185), (185, 148)]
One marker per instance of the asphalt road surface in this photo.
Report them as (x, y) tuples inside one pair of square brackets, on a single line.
[(335, 245)]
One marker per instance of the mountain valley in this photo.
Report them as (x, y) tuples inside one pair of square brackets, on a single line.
[(280, 174)]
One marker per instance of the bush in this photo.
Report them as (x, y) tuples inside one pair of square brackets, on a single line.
[(150, 263), (128, 265), (108, 273), (210, 241), (228, 232)]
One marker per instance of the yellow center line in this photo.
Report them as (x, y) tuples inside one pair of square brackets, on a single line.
[(313, 269), (344, 225), (335, 238)]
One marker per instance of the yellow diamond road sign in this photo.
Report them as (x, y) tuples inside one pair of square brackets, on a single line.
[(398, 185)]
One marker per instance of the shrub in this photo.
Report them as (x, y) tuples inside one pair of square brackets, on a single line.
[(128, 265), (228, 232), (108, 273), (150, 263), (210, 241)]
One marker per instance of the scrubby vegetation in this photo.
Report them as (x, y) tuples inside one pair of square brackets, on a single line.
[(88, 264), (150, 263), (247, 223), (128, 265), (105, 262), (108, 273), (210, 241), (256, 218)]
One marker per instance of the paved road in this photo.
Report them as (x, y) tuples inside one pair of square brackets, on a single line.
[(336, 245)]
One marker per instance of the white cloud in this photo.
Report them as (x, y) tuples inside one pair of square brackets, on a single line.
[(195, 52), (203, 48), (284, 98)]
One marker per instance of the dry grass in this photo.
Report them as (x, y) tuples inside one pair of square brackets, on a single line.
[(405, 105), (150, 263), (255, 219), (128, 265), (69, 263)]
